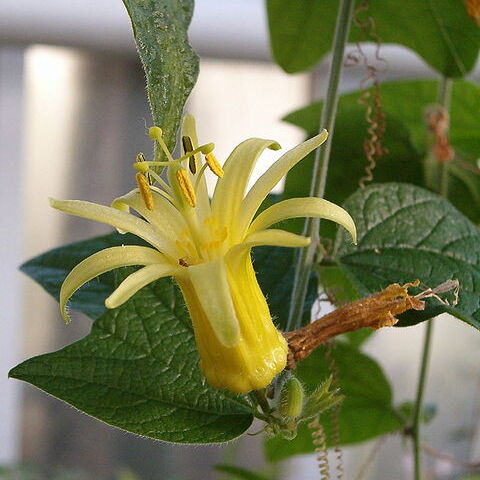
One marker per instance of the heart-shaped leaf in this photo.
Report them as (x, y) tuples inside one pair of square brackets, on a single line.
[(407, 233), (138, 370), (443, 33)]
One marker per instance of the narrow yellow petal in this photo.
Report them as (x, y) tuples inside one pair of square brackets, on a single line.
[(136, 281), (211, 286), (119, 219), (274, 237), (230, 189), (104, 261), (272, 176), (164, 216), (304, 207)]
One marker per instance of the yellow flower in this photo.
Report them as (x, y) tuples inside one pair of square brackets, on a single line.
[(205, 245)]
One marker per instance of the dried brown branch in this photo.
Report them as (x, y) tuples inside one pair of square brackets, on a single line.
[(376, 311)]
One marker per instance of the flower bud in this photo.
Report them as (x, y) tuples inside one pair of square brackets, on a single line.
[(291, 399)]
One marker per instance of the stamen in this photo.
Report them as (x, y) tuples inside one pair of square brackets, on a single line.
[(155, 133), (199, 176), (186, 186), (187, 148), (214, 165), (145, 191)]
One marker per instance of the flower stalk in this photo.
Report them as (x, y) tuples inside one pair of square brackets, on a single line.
[(306, 257), (444, 99)]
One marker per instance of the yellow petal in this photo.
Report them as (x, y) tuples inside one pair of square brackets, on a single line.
[(104, 261), (164, 216), (261, 352), (211, 286), (304, 207), (119, 219), (136, 281), (272, 176), (274, 237), (230, 189)]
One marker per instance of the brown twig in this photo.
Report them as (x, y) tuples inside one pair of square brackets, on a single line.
[(376, 311)]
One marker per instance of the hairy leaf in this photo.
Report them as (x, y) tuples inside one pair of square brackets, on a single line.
[(170, 64), (138, 370), (407, 233)]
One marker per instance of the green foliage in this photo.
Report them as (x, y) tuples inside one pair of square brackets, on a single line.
[(366, 410), (133, 344), (170, 64), (404, 104), (301, 32), (407, 409), (138, 370), (407, 233)]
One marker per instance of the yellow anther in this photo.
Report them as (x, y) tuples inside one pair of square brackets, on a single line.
[(186, 186), (155, 133), (215, 167), (145, 191), (140, 157)]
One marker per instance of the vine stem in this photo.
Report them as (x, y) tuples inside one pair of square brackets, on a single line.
[(320, 169), (444, 97)]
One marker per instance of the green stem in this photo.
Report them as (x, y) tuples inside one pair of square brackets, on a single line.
[(320, 169), (444, 98), (419, 401), (261, 398)]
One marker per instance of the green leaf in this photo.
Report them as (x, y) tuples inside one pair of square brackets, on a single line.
[(407, 409), (366, 412), (407, 233), (239, 472), (51, 268), (404, 104), (301, 32), (138, 370), (170, 64)]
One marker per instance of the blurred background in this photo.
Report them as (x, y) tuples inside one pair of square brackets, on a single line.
[(73, 114)]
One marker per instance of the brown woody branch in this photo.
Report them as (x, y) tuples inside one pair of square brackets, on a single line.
[(376, 311)]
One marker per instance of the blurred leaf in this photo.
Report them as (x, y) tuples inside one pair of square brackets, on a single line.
[(366, 411), (407, 233), (239, 472), (404, 104), (171, 66), (138, 370), (406, 410), (301, 32)]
